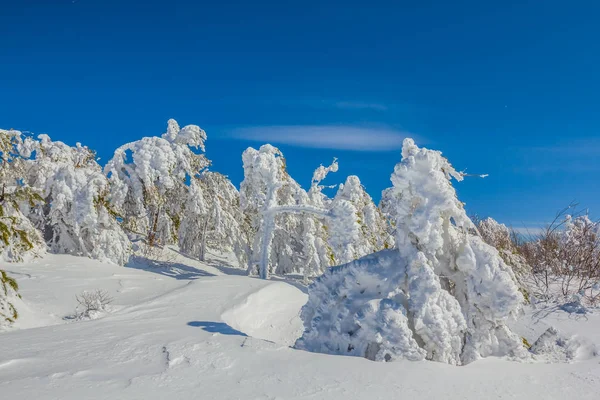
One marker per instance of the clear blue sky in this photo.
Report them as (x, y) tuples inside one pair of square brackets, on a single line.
[(508, 88)]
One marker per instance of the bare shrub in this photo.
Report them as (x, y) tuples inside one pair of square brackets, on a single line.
[(90, 304), (565, 257)]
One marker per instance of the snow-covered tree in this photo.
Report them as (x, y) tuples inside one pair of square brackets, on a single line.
[(148, 181), (499, 236), (267, 185), (8, 294), (281, 215), (75, 216), (444, 294), (19, 239), (373, 234), (315, 235), (212, 218)]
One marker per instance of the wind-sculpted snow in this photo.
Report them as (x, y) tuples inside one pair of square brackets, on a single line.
[(446, 295)]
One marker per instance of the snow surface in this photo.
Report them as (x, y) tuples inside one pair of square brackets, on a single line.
[(187, 330)]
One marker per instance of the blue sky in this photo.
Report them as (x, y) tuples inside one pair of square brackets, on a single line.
[(506, 88)]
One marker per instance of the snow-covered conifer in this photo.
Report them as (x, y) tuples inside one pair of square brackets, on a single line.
[(19, 239), (444, 294), (8, 294), (373, 232)]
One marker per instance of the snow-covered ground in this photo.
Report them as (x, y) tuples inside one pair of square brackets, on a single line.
[(190, 330)]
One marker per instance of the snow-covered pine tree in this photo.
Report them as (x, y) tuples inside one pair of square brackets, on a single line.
[(75, 216), (444, 294), (8, 294), (373, 234), (148, 181), (19, 239)]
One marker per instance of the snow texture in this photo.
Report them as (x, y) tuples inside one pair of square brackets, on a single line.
[(226, 337)]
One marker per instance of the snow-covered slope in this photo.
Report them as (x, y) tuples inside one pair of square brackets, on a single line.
[(186, 330)]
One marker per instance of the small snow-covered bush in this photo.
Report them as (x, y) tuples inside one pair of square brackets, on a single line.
[(443, 295), (92, 305)]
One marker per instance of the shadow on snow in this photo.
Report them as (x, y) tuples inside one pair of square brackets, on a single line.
[(216, 327), (171, 269)]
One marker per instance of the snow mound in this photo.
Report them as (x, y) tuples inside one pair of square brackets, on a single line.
[(271, 313), (552, 346)]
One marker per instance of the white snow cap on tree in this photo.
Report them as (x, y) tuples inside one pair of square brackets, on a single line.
[(444, 295)]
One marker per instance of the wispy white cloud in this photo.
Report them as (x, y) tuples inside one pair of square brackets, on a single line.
[(327, 136), (528, 230), (358, 105)]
